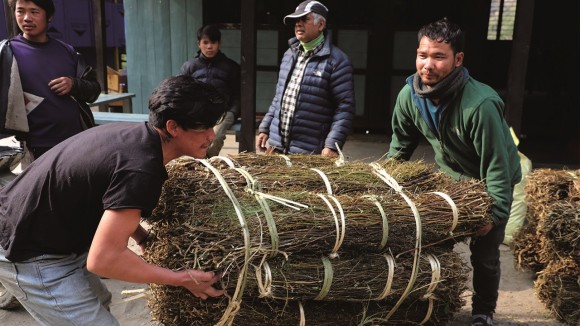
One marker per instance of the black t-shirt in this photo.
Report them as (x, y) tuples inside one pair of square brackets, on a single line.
[(55, 205)]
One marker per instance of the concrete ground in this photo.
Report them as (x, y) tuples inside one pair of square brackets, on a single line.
[(517, 304)]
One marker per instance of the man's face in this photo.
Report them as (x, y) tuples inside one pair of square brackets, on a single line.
[(208, 47), (194, 142), (435, 60), (305, 29), (32, 21)]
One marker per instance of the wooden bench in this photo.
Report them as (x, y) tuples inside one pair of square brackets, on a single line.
[(104, 100), (107, 117)]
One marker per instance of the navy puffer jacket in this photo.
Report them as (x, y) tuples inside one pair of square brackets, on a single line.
[(220, 72), (325, 106)]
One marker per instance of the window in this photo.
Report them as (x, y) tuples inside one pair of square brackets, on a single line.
[(502, 16)]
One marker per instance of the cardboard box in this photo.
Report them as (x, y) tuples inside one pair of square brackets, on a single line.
[(116, 81)]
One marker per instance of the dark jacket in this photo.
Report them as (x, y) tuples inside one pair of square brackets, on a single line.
[(220, 72), (474, 140), (325, 105), (85, 89)]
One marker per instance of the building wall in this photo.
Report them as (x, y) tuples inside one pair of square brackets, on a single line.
[(160, 38)]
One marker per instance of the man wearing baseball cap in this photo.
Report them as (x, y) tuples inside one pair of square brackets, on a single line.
[(313, 109)]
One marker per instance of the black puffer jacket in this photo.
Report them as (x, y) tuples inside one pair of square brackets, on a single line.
[(325, 106), (220, 72)]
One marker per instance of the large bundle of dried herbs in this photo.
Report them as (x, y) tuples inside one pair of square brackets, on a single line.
[(545, 188), (560, 231), (345, 178), (435, 296), (346, 234), (550, 243), (558, 287), (366, 222)]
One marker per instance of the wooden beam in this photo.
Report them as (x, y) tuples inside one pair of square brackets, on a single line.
[(100, 42), (248, 77), (11, 25), (516, 85)]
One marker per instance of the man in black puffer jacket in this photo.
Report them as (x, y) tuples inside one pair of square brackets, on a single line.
[(314, 105), (211, 66)]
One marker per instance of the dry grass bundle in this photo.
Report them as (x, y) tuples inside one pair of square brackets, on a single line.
[(325, 224), (560, 229), (349, 277), (558, 287), (176, 306), (256, 160), (416, 176), (198, 224), (528, 249), (545, 188)]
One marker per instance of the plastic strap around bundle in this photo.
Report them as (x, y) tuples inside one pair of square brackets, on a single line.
[(236, 299), (385, 237), (328, 276), (340, 161), (453, 209), (389, 180), (226, 160), (302, 314), (391, 273), (253, 187), (435, 279), (325, 179), (339, 223), (264, 283)]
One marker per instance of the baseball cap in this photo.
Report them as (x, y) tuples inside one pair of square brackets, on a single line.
[(307, 7)]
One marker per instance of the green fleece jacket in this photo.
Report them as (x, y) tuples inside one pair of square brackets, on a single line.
[(473, 140)]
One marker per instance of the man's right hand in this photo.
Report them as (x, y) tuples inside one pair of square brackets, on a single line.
[(262, 142)]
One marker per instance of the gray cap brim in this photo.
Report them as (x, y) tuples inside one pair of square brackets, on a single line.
[(294, 16)]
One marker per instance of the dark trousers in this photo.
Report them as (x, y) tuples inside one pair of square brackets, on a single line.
[(486, 270)]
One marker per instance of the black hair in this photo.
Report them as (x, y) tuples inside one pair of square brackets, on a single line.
[(211, 31), (46, 5), (444, 30), (192, 103)]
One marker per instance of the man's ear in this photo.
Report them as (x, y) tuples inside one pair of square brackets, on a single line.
[(171, 126), (322, 25), (459, 59)]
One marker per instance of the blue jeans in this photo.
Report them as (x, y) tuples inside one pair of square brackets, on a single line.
[(58, 290)]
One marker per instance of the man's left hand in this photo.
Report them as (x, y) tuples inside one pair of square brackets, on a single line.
[(484, 230), (329, 152)]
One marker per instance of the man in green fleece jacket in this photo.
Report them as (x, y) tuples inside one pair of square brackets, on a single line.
[(463, 121)]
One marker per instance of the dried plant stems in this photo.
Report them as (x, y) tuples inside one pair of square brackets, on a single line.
[(282, 234)]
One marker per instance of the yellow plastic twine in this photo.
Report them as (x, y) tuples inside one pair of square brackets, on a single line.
[(391, 273), (340, 161), (325, 179), (286, 159), (328, 276), (236, 299), (253, 187), (435, 279), (385, 237), (265, 281), (389, 180), (453, 209), (302, 314), (339, 223)]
